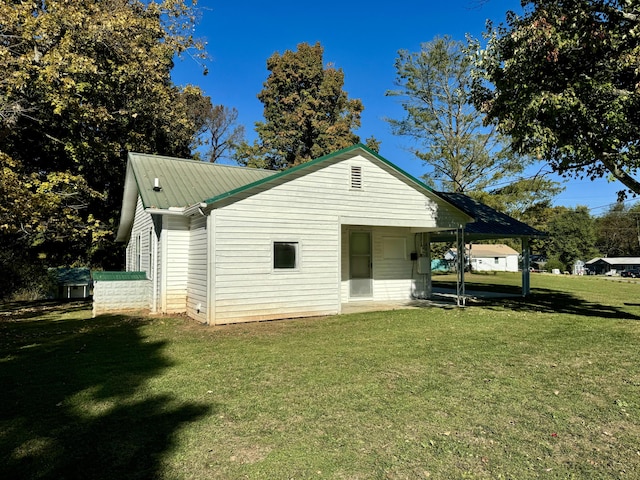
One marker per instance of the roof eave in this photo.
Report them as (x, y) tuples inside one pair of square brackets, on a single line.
[(128, 208)]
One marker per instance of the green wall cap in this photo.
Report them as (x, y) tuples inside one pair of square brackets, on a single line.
[(118, 276)]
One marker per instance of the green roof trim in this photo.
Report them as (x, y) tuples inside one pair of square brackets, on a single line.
[(118, 276), (313, 163)]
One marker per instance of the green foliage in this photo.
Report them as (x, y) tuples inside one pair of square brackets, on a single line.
[(82, 83), (618, 232), (554, 263), (572, 235), (521, 198), (462, 154), (563, 81), (307, 114)]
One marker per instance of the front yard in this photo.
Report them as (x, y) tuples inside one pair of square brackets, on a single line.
[(545, 387)]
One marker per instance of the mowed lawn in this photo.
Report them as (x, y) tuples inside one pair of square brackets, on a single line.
[(547, 387)]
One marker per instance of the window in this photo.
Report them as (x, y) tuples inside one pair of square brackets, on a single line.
[(285, 255), (138, 252), (496, 260)]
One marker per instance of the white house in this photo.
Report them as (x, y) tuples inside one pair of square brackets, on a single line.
[(488, 257), (227, 244)]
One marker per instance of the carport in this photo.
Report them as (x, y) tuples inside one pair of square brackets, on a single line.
[(488, 224)]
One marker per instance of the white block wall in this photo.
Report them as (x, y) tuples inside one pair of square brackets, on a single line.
[(120, 295)]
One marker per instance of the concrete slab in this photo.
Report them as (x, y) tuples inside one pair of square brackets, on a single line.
[(442, 298)]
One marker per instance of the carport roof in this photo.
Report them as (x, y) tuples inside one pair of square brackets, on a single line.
[(489, 223)]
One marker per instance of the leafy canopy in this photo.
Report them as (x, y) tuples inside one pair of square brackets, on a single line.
[(82, 83), (306, 112), (563, 81)]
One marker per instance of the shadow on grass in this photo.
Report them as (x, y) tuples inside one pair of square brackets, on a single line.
[(544, 300), (14, 311), (73, 405)]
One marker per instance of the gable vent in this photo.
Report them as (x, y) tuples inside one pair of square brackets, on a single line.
[(356, 177)]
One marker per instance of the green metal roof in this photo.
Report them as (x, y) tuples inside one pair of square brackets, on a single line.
[(118, 276), (187, 182), (71, 276)]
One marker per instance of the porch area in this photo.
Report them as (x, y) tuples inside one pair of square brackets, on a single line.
[(440, 298)]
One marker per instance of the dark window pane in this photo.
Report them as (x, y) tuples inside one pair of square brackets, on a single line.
[(284, 254)]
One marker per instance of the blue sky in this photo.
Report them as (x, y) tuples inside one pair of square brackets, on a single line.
[(360, 37)]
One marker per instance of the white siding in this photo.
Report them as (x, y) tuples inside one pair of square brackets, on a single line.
[(114, 296), (197, 270), (142, 226), (512, 263), (144, 229), (309, 210), (175, 264), (489, 264)]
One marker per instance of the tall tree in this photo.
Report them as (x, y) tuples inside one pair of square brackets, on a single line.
[(307, 114), (82, 83), (572, 235), (618, 231), (462, 154), (563, 80)]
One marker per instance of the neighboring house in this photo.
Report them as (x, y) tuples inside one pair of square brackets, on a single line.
[(228, 244), (71, 282), (488, 258), (600, 266)]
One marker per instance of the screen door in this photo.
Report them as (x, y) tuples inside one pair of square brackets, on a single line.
[(360, 264)]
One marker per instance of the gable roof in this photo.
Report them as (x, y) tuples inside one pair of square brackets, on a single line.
[(489, 223), (615, 260), (487, 250), (188, 183), (321, 162)]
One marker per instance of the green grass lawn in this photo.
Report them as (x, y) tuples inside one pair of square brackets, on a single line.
[(547, 387)]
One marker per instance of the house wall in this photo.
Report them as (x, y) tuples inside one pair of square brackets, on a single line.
[(488, 264), (175, 240), (309, 210), (197, 269), (144, 245), (118, 296)]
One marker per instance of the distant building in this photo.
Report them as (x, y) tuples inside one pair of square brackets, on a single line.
[(488, 258), (71, 282), (601, 266)]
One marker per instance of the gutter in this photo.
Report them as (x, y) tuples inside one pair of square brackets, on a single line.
[(179, 211)]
